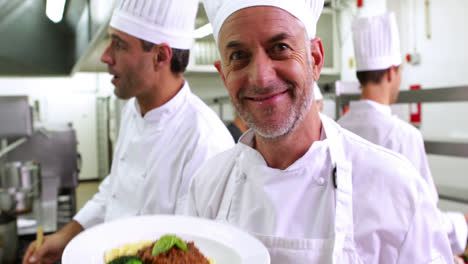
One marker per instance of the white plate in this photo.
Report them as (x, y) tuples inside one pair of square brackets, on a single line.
[(221, 242)]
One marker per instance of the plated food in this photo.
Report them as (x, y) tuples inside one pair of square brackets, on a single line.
[(168, 249), (125, 237)]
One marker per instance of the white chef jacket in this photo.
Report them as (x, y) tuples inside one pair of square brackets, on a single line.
[(365, 205), (374, 121), (155, 158)]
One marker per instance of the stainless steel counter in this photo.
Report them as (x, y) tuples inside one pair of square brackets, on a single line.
[(44, 210), (45, 214)]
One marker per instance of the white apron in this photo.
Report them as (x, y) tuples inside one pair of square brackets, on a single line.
[(338, 249)]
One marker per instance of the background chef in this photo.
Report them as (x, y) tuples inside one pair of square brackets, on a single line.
[(378, 60), (166, 133), (311, 191)]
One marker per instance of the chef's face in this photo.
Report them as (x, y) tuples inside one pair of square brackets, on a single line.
[(267, 67), (128, 63)]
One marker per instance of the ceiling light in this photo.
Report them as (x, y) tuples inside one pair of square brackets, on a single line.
[(203, 31), (54, 10)]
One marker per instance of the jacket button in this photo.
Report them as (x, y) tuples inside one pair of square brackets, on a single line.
[(321, 181)]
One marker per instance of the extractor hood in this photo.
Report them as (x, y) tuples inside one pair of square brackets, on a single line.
[(32, 45)]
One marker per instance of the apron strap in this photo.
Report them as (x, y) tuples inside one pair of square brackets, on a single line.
[(343, 208), (342, 181)]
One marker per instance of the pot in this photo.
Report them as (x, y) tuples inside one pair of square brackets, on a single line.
[(22, 175), (24, 201), (15, 201), (10, 176), (31, 178), (7, 202)]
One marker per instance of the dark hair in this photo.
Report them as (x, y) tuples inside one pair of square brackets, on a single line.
[(366, 77), (179, 60)]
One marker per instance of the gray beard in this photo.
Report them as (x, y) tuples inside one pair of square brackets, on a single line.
[(294, 120), (289, 125)]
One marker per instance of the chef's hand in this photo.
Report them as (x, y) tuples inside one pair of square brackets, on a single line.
[(53, 245), (458, 260), (50, 251)]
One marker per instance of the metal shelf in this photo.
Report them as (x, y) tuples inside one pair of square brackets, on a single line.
[(453, 194), (435, 95), (456, 149)]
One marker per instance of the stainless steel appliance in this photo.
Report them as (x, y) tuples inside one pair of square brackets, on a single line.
[(15, 117), (55, 149), (23, 182), (56, 152)]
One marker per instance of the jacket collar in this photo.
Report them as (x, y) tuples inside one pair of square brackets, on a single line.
[(164, 112), (251, 156), (371, 105)]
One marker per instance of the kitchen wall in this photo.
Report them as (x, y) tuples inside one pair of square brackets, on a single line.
[(209, 86)]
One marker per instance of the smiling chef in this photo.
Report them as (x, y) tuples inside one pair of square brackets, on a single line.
[(311, 191)]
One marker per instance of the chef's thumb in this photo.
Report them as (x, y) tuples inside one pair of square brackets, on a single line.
[(37, 255), (32, 259)]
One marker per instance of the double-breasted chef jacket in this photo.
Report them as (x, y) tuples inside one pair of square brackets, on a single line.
[(345, 201), (155, 158)]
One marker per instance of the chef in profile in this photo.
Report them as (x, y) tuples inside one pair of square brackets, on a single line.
[(378, 61), (310, 190), (166, 131)]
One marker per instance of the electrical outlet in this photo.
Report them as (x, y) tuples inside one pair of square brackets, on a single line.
[(413, 58)]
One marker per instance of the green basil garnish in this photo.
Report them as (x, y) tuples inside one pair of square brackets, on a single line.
[(181, 244), (166, 242), (126, 260)]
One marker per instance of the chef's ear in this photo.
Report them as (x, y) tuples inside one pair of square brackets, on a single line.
[(162, 55), (316, 51), (391, 73)]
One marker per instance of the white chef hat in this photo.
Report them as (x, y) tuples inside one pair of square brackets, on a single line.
[(157, 21), (376, 42), (307, 11), (317, 94)]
